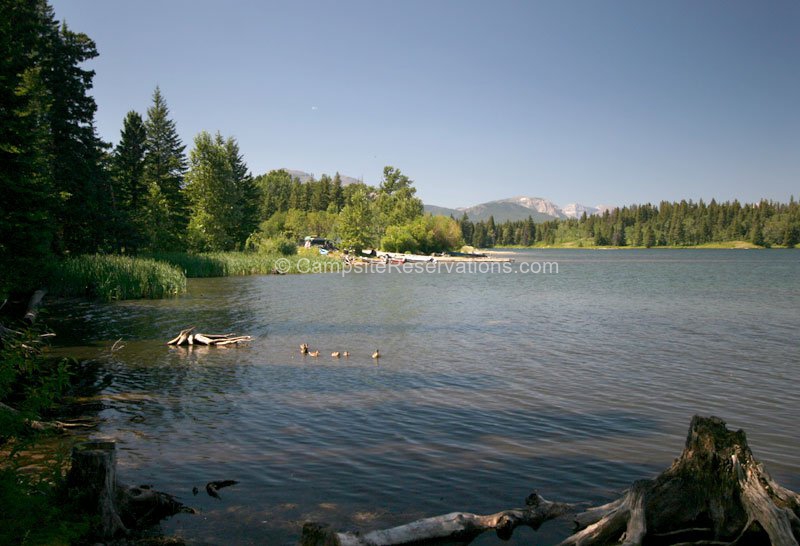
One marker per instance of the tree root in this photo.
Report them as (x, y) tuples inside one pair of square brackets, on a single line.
[(715, 493)]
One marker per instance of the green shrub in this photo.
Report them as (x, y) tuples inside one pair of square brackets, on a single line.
[(273, 245)]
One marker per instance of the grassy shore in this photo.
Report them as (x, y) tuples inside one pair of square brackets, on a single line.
[(161, 275), (232, 264), (115, 278)]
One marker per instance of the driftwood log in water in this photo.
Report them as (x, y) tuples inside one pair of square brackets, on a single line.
[(92, 483), (188, 337), (458, 527), (714, 493)]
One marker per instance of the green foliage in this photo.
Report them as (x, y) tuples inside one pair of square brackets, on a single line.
[(164, 169), (129, 191), (230, 264), (399, 239), (355, 227), (395, 201), (52, 176), (272, 245), (36, 512), (425, 235), (670, 224), (115, 278), (221, 195), (29, 382)]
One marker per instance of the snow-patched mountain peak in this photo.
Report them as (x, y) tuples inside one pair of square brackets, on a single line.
[(539, 204), (576, 210)]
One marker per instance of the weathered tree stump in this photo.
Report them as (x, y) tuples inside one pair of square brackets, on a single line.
[(92, 481), (715, 493), (93, 484)]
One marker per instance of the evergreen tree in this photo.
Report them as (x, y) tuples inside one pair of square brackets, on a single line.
[(165, 166), (246, 194), (129, 191), (77, 155), (26, 208), (649, 237), (467, 229), (337, 194), (320, 193)]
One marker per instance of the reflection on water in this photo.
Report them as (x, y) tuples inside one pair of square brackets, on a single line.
[(491, 385)]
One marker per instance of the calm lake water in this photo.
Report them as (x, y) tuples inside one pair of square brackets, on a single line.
[(491, 385)]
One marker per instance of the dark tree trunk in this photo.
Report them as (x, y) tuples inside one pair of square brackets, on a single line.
[(93, 484)]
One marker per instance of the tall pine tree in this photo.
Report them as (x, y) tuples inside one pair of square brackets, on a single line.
[(164, 169), (129, 191)]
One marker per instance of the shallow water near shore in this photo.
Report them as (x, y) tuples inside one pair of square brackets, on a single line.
[(491, 385)]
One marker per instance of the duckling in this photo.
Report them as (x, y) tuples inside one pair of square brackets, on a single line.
[(376, 354), (304, 349), (346, 354), (313, 353), (335, 354)]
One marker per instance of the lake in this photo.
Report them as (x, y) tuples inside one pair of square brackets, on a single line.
[(491, 385)]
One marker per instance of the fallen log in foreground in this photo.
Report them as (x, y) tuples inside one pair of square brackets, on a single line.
[(188, 337), (716, 492)]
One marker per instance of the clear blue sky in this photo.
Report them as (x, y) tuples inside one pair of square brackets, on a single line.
[(595, 102)]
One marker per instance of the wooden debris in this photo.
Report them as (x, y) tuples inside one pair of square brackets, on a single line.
[(461, 527), (212, 488), (189, 337), (716, 493), (33, 306), (93, 485)]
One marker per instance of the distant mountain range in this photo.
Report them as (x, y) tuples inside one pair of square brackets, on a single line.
[(513, 208), (519, 208)]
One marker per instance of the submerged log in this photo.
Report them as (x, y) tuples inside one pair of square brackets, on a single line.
[(716, 492), (188, 337), (93, 484)]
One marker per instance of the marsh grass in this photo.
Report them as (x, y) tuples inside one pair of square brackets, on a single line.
[(232, 264), (115, 278), (161, 275)]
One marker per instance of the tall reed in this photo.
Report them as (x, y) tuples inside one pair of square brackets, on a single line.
[(229, 264), (115, 278)]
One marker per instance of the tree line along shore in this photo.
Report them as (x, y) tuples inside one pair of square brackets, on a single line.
[(68, 193)]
